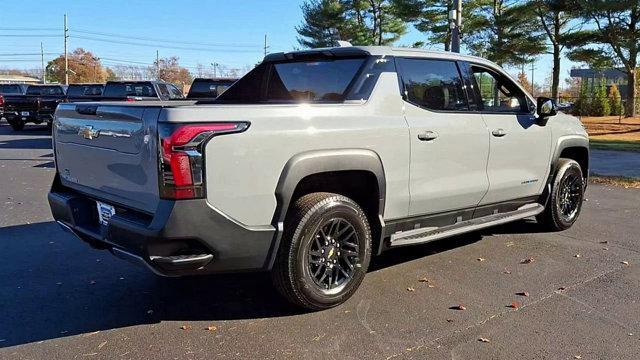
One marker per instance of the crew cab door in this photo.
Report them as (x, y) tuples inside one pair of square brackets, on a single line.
[(449, 142), (520, 148)]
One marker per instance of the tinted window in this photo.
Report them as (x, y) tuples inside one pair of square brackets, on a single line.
[(164, 91), (325, 80), (175, 93), (497, 92), (142, 89), (433, 84), (10, 89), (208, 88), (84, 90), (45, 90)]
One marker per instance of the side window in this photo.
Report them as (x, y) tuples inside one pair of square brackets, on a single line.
[(497, 92), (175, 93), (433, 84), (164, 92)]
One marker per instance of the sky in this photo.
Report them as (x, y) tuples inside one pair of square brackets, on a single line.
[(230, 33)]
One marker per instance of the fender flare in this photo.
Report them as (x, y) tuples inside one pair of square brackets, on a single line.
[(565, 142), (321, 161)]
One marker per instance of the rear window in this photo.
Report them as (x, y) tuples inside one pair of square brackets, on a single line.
[(45, 90), (84, 90), (208, 88), (129, 89), (314, 81), (10, 89)]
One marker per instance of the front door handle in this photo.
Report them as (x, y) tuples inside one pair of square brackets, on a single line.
[(498, 133), (428, 135)]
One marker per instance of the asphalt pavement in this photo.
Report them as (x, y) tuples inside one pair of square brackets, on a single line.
[(525, 293)]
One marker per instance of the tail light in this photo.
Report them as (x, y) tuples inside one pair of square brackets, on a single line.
[(1, 100), (181, 156)]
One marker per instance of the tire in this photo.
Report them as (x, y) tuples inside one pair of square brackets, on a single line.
[(565, 200), (16, 125), (303, 258)]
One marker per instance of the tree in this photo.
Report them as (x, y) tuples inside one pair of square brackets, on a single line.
[(110, 75), (617, 28), (615, 100), (582, 106), (84, 67), (361, 22), (504, 31), (524, 81), (600, 103), (559, 25), (169, 70)]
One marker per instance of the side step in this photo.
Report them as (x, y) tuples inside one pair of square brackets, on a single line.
[(424, 235)]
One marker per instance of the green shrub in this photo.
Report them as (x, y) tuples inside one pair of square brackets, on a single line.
[(600, 104), (583, 104), (615, 100)]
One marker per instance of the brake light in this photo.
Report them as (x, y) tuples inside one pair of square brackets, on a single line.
[(1, 100), (181, 157)]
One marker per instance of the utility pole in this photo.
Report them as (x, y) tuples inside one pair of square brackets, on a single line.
[(265, 45), (215, 65), (157, 65), (533, 87), (455, 17), (44, 74), (66, 56)]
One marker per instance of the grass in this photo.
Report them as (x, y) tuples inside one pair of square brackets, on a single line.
[(626, 182), (618, 145), (613, 133)]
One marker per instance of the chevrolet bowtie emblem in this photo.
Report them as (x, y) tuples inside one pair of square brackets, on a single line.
[(88, 133)]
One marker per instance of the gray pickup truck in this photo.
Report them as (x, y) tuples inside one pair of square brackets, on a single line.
[(314, 162)]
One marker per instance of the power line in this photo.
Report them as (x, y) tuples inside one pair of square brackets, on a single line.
[(163, 40), (29, 54), (29, 35), (26, 29), (161, 46)]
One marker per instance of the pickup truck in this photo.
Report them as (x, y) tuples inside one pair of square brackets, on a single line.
[(205, 88), (140, 90), (10, 89), (314, 162), (37, 105)]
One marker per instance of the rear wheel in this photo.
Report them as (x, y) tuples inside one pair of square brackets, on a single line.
[(325, 251), (567, 194), (16, 125)]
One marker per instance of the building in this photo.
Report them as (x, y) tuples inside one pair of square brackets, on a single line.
[(18, 79), (611, 76)]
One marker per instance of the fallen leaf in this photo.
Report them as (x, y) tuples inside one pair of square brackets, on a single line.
[(506, 271), (523, 293), (577, 357), (481, 259), (625, 263), (604, 242), (577, 255), (605, 248), (450, 320), (528, 260), (514, 305), (212, 328), (102, 344), (484, 340), (185, 327), (423, 280), (411, 289), (431, 286), (458, 307), (562, 288)]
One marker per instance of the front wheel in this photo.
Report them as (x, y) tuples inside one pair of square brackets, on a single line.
[(567, 194), (325, 251)]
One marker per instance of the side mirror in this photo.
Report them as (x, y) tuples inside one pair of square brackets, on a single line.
[(546, 109)]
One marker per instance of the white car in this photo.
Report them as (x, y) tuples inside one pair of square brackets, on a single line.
[(314, 162)]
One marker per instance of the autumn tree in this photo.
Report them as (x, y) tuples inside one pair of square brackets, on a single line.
[(169, 70), (361, 22), (84, 67), (504, 31), (615, 100)]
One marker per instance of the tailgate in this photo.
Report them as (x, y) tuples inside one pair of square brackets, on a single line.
[(109, 152), (21, 102)]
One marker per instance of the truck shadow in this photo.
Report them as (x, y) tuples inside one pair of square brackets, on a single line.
[(53, 285)]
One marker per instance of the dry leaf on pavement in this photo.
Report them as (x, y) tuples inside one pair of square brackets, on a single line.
[(481, 259), (514, 305), (625, 263), (458, 307), (411, 289), (484, 340), (523, 293), (185, 327), (528, 260), (212, 328)]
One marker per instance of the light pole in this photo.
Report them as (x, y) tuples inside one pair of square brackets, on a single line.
[(215, 65), (455, 17)]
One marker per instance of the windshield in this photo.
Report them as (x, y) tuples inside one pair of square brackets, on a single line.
[(44, 90), (208, 88), (143, 89), (314, 81), (10, 89)]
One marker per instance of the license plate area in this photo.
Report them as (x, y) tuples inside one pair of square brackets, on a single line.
[(105, 212), (25, 113)]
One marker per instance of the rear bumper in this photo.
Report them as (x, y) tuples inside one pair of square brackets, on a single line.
[(33, 116), (176, 228)]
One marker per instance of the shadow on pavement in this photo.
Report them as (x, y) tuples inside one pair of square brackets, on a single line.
[(54, 285), (31, 143)]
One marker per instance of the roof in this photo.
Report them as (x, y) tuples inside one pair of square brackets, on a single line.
[(379, 51), (10, 78)]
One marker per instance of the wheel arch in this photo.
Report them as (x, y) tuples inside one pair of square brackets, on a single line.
[(575, 148), (342, 164)]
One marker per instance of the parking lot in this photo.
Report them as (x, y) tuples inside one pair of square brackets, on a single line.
[(525, 293)]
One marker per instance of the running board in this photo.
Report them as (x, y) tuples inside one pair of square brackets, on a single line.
[(424, 235)]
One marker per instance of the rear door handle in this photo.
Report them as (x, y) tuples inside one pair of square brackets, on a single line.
[(498, 133), (428, 135)]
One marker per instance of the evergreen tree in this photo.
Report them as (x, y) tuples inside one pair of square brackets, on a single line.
[(582, 106), (600, 103), (504, 31), (324, 23)]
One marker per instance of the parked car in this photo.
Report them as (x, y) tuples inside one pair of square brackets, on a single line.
[(140, 90), (84, 92), (37, 105), (10, 89), (314, 162), (205, 88)]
